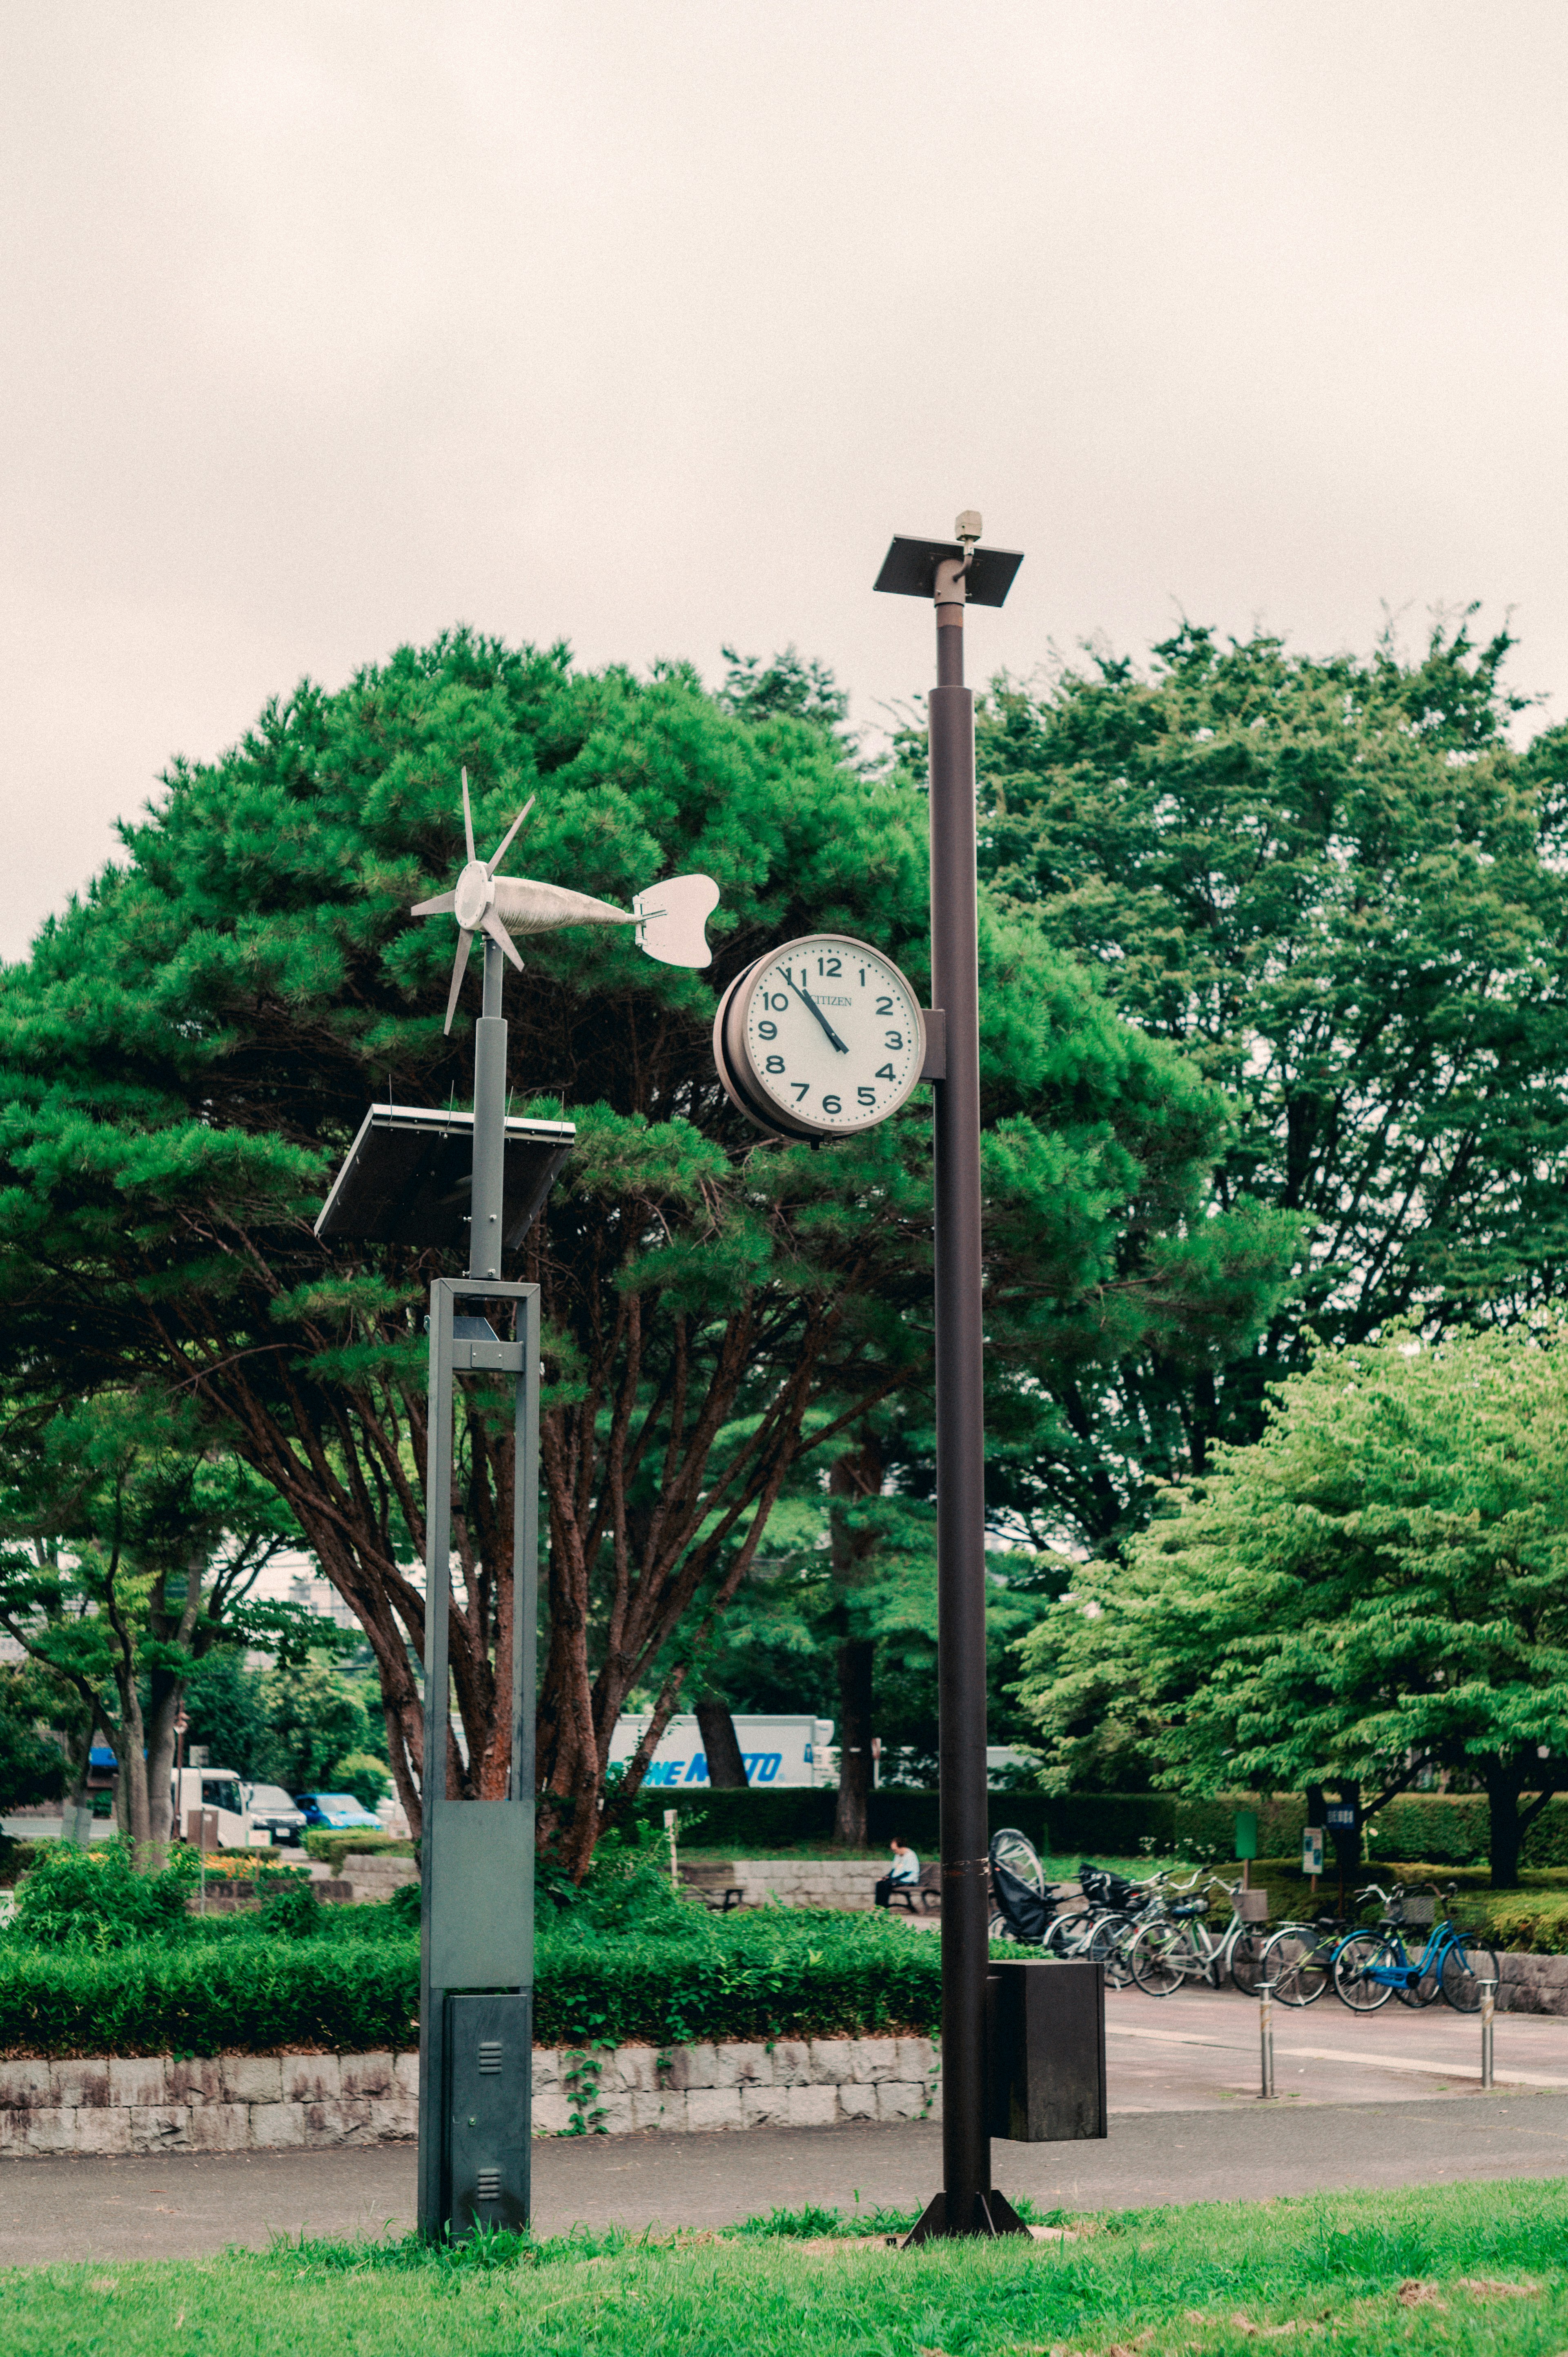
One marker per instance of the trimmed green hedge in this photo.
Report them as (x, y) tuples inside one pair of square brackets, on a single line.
[(768, 1977), (331, 1850), (667, 1992), (236, 1996), (1448, 1829)]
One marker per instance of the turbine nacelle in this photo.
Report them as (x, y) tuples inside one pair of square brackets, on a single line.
[(473, 896), (670, 918)]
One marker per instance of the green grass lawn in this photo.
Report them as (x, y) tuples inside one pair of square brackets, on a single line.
[(1477, 2270)]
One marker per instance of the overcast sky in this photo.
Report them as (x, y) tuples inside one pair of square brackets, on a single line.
[(328, 325)]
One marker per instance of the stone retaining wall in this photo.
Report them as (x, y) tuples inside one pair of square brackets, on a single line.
[(268, 2103), (796, 2082), (793, 1881), (1532, 1984), (370, 1875), (231, 2102)]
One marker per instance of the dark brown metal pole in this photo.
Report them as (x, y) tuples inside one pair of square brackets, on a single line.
[(967, 2203), (961, 1432)]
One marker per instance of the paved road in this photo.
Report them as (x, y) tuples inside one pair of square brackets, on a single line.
[(1197, 2048), (179, 2205)]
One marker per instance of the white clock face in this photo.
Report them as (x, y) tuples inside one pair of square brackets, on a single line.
[(827, 1030)]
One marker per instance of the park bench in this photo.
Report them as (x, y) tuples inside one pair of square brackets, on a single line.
[(711, 1884), (922, 1897)]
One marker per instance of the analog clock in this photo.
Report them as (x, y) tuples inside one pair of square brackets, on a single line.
[(819, 1038)]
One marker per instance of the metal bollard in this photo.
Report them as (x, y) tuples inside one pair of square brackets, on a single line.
[(1489, 2003), (1266, 2038)]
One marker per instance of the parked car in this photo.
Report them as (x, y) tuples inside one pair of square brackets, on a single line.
[(216, 1790), (337, 1812), (270, 1808)]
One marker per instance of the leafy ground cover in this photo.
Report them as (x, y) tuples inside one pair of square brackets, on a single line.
[(1470, 2270)]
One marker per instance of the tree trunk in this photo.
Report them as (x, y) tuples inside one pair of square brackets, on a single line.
[(161, 1828), (727, 1769), (855, 1657), (857, 1474), (1502, 1797)]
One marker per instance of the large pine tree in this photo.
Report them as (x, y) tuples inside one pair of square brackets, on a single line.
[(188, 1051)]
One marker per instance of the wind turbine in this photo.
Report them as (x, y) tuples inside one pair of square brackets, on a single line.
[(670, 918)]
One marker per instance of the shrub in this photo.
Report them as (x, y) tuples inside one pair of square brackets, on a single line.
[(356, 1986), (331, 1850), (775, 1975), (80, 1897), (211, 1997)]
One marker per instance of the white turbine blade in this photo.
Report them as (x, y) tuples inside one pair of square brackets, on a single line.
[(673, 917), (469, 821), (442, 906), (492, 864), (495, 932), (465, 942)]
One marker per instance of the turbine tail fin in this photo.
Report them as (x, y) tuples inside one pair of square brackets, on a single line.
[(672, 920)]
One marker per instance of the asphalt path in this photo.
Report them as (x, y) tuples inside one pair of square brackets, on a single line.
[(176, 2205)]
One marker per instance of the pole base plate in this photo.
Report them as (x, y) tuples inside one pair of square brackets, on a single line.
[(994, 2216)]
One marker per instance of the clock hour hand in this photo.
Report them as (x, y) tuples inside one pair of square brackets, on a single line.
[(816, 1011)]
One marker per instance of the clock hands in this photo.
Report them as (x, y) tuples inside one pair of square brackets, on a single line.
[(816, 1011)]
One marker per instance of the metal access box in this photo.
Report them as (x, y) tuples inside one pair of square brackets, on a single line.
[(1046, 2048), (489, 2054)]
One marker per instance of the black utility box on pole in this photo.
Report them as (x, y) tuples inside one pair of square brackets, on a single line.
[(1045, 2038), (952, 575)]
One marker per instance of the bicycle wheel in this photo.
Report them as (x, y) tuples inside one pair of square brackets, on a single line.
[(1353, 1960), (1296, 1960), (1465, 1968), (1154, 1957), (1018, 1852), (1246, 1962), (1108, 1946), (1422, 1992)]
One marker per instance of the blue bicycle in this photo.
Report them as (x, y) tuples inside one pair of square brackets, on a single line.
[(1372, 1966)]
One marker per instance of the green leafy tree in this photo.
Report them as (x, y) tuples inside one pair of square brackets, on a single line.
[(186, 1053), (313, 1721), (128, 1554), (790, 687), (1377, 1589), (226, 1714), (32, 1767), (846, 1593), (1339, 887)]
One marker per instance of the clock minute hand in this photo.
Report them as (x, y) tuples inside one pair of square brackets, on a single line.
[(816, 1011)]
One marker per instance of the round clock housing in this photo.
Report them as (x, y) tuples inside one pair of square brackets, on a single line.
[(819, 1038)]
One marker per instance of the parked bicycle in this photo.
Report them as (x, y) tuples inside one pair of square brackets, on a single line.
[(1372, 1966), (1177, 1945), (1299, 1958), (1064, 1920)]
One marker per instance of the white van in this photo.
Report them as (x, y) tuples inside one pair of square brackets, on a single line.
[(217, 1789)]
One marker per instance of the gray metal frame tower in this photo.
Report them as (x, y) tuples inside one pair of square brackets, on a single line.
[(401, 1183), (476, 1956)]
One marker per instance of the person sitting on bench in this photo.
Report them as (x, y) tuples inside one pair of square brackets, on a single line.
[(905, 1868)]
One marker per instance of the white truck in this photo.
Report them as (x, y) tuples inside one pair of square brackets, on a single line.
[(217, 1790), (787, 1749)]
